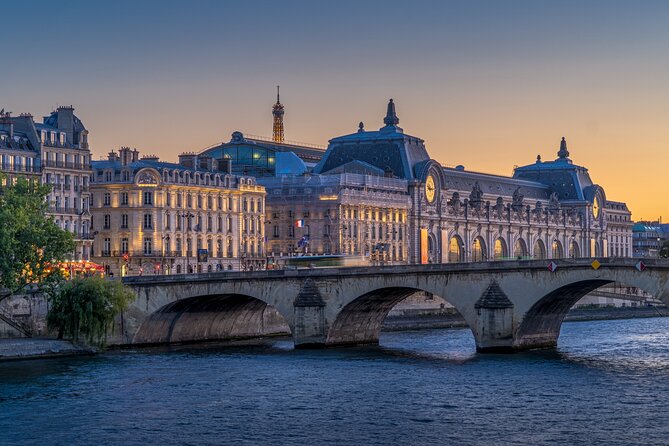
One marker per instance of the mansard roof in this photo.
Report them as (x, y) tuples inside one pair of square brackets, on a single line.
[(459, 179), (568, 180), (389, 149)]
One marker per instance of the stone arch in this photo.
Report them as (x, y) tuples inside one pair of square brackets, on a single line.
[(539, 250), (211, 317), (479, 250), (500, 251), (519, 249), (540, 325), (360, 321), (574, 251), (456, 249)]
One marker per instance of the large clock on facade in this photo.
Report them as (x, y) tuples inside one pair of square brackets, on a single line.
[(595, 208), (430, 189)]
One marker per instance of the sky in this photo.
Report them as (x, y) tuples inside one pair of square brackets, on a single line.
[(487, 84)]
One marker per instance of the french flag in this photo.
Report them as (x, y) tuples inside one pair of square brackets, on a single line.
[(299, 223)]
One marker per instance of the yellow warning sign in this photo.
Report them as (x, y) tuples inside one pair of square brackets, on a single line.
[(595, 264)]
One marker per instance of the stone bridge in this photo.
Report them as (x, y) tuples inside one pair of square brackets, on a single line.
[(509, 305)]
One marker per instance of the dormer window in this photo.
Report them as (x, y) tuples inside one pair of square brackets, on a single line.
[(62, 139)]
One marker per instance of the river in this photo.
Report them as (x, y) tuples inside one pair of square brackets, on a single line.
[(607, 383)]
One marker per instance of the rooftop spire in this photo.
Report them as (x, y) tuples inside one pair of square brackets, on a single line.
[(277, 112), (391, 117), (563, 153)]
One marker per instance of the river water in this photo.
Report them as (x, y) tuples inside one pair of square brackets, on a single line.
[(607, 383)]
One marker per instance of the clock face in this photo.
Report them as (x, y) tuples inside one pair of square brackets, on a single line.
[(430, 189), (595, 208)]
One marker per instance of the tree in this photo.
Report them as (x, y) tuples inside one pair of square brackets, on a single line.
[(31, 244), (87, 307)]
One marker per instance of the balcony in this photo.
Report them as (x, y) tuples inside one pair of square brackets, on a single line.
[(22, 169), (62, 210)]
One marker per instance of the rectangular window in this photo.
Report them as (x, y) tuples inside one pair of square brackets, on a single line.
[(107, 199), (178, 200), (106, 247), (276, 231), (124, 221), (148, 221), (148, 198), (148, 246), (107, 223), (168, 199), (124, 245), (124, 198)]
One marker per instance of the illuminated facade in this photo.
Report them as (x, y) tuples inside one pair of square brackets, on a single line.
[(379, 193), (152, 217), (55, 151)]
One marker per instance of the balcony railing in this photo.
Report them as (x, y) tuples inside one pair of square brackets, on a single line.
[(15, 168), (66, 165), (62, 210)]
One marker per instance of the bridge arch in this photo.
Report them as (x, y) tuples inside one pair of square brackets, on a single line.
[(211, 317), (540, 325), (361, 319)]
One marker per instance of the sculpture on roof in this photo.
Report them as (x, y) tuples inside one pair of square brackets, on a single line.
[(563, 153), (476, 196), (554, 202), (517, 200)]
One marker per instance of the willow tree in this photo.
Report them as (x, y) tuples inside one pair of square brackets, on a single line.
[(86, 308), (31, 244)]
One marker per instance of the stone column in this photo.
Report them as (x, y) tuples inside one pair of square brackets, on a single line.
[(494, 325), (309, 307)]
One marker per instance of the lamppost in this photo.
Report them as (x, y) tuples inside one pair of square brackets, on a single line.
[(166, 240)]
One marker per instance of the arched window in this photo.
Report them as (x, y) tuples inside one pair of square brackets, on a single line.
[(455, 250), (574, 252), (520, 249), (500, 249), (539, 251), (479, 252), (556, 250)]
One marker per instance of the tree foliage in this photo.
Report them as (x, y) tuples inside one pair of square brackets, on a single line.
[(86, 308), (30, 242)]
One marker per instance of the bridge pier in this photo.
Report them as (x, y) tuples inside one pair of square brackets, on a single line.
[(494, 323), (309, 324)]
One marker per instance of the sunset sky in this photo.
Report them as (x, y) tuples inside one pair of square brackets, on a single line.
[(487, 84)]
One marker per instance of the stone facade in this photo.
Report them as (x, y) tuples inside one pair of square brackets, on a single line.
[(56, 151), (152, 217)]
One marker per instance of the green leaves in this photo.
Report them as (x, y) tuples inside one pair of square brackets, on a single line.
[(87, 308), (30, 241)]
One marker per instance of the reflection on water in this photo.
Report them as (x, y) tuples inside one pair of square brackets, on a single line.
[(605, 384)]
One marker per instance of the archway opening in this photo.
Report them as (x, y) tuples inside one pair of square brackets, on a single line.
[(479, 252), (209, 318), (556, 250), (500, 252), (583, 300), (456, 252), (574, 252), (362, 320), (520, 249), (539, 250)]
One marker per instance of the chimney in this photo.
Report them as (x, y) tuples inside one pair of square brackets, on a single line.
[(66, 121), (187, 159), (112, 156), (6, 124), (125, 154), (135, 155)]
